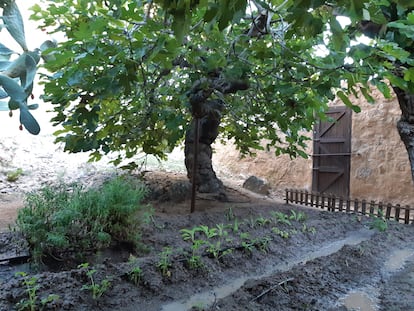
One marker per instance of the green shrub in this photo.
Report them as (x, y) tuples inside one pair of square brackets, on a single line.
[(67, 217)]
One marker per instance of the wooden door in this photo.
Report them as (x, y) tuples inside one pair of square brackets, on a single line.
[(332, 153)]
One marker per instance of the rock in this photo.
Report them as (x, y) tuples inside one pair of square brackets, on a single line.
[(256, 185)]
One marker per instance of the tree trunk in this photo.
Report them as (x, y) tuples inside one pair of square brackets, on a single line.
[(405, 125), (205, 179), (208, 111)]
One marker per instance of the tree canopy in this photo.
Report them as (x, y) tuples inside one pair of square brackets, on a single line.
[(120, 80)]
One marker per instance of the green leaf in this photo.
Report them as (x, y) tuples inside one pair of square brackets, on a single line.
[(393, 52), (404, 3), (356, 108), (347, 102), (397, 81), (367, 96), (302, 153), (384, 88), (344, 98), (14, 23), (409, 74), (410, 18), (211, 13), (407, 30), (181, 25)]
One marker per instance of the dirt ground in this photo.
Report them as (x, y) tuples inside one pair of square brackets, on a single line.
[(254, 259), (327, 261)]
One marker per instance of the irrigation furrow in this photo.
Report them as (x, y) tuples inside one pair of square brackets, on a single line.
[(207, 298)]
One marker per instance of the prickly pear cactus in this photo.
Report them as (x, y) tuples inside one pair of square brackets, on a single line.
[(17, 75)]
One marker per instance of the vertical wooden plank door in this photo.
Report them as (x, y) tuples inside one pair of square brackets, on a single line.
[(332, 153)]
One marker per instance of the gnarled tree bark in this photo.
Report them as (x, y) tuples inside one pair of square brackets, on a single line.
[(405, 125), (205, 179), (209, 112)]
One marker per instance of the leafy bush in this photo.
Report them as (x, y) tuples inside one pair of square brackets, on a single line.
[(65, 218)]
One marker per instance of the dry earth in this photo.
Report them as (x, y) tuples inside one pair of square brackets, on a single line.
[(328, 261)]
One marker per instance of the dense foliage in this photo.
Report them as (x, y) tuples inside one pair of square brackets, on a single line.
[(121, 76), (67, 218)]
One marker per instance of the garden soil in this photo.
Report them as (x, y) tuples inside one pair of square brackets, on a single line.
[(249, 253)]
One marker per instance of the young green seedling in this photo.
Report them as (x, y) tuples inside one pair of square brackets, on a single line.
[(165, 263), (263, 243), (31, 288), (97, 289), (30, 304), (261, 221), (305, 229), (230, 214), (135, 275), (281, 233), (195, 261), (299, 216), (248, 246), (281, 218), (221, 230), (244, 235), (209, 232), (189, 234)]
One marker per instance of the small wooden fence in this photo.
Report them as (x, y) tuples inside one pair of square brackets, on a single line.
[(404, 214)]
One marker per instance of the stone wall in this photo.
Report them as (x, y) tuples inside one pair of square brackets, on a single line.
[(379, 163)]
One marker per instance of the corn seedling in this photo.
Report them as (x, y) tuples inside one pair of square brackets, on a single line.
[(194, 260), (248, 246), (299, 216), (97, 289), (379, 223), (221, 230), (244, 235), (251, 222), (209, 232), (305, 229), (165, 263), (230, 214), (236, 225), (281, 218), (216, 250), (189, 234), (261, 221), (263, 243), (135, 275), (281, 233)]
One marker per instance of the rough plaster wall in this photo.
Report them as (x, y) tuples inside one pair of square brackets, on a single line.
[(280, 172), (380, 168), (379, 165)]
